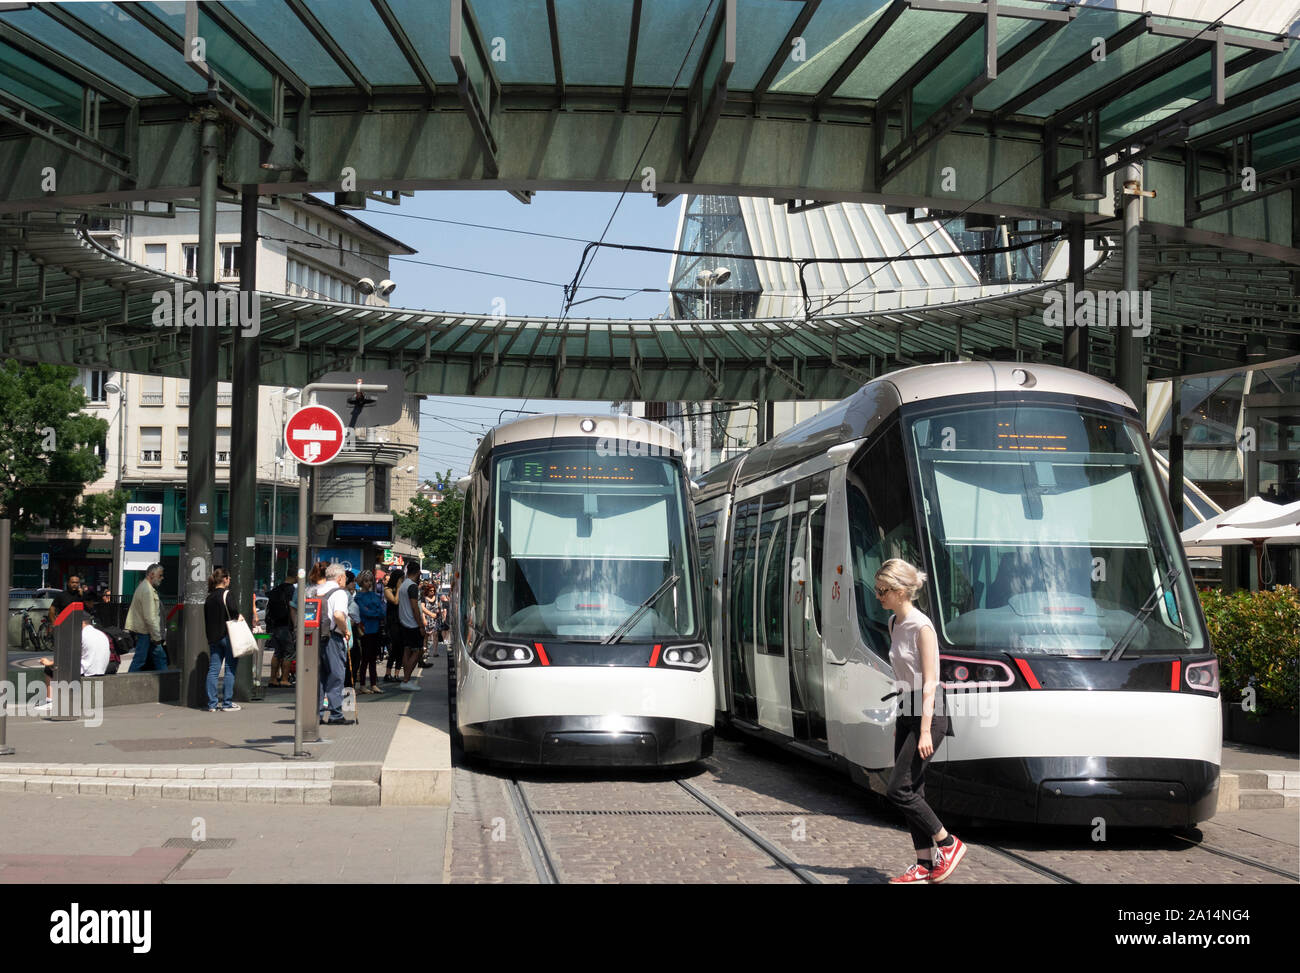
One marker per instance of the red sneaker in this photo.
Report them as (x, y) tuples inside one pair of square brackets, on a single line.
[(946, 859), (918, 874)]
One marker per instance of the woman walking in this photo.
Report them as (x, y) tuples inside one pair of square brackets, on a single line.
[(217, 610), (392, 626), (914, 654)]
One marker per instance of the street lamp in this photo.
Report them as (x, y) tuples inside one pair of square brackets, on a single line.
[(120, 390), (275, 478), (711, 278)]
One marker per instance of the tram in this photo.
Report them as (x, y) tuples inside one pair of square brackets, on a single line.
[(577, 638), (1073, 651)]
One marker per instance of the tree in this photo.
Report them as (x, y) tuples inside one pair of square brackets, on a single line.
[(433, 527), (47, 452)]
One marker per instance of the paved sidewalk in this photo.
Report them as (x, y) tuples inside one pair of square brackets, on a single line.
[(104, 840), (188, 749)]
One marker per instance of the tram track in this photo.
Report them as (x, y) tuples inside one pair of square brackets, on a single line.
[(534, 843), (1233, 856), (543, 862)]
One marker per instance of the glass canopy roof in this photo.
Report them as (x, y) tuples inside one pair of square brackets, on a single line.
[(788, 48)]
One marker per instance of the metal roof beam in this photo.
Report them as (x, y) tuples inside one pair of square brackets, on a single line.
[(633, 35), (46, 127), (1255, 123), (783, 52), (403, 42), (704, 107), (1127, 83), (1067, 71), (557, 58), (332, 48), (463, 23), (63, 64), (863, 48), (230, 23)]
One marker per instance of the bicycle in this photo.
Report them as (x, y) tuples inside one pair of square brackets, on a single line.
[(37, 639)]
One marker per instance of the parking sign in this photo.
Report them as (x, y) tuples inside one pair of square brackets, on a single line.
[(141, 535)]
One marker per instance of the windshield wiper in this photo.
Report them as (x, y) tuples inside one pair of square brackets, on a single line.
[(1147, 608), (635, 617)]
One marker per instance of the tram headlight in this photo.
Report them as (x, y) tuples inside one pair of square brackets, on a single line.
[(970, 673), (694, 657), (1203, 677), (496, 655)]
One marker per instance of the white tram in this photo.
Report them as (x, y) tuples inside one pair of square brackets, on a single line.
[(1073, 649), (577, 637)]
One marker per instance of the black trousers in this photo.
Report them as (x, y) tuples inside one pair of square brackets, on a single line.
[(907, 782)]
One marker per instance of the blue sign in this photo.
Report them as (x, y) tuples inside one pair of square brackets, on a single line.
[(350, 558), (45, 561), (141, 535)]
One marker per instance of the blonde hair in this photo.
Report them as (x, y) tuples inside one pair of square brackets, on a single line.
[(901, 574)]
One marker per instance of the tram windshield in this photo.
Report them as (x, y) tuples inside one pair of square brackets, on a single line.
[(1048, 534), (581, 540)]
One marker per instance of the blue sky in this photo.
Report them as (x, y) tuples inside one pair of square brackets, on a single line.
[(450, 427)]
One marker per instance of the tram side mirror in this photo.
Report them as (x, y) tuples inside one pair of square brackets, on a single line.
[(695, 489), (463, 483)]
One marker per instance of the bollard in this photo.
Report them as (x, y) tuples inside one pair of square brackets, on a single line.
[(67, 661)]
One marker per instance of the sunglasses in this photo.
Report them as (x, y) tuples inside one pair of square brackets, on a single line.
[(881, 592)]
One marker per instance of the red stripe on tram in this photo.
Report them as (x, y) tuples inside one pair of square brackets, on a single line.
[(1175, 678), (654, 656), (541, 653)]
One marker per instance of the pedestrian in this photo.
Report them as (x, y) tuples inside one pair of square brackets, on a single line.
[(370, 603), (410, 619), (429, 608), (914, 655), (392, 626), (334, 637), (221, 606), (70, 594), (144, 622), (354, 626), (281, 615)]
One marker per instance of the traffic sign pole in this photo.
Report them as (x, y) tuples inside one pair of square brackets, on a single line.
[(314, 436)]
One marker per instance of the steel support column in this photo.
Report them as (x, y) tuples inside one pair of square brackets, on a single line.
[(200, 467), (1128, 346), (1076, 336), (242, 545)]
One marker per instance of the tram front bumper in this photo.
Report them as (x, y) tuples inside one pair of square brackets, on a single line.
[(589, 741)]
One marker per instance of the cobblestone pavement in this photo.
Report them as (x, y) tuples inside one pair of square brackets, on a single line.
[(643, 827)]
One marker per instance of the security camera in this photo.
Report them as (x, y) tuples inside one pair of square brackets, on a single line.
[(385, 288), (366, 286)]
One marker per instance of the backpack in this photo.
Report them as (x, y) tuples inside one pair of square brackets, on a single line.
[(119, 641)]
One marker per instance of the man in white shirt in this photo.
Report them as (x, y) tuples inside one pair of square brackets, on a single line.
[(335, 636), (95, 653)]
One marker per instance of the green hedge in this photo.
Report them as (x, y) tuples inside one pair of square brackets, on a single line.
[(1257, 634)]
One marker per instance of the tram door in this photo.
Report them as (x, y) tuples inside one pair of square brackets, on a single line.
[(740, 610), (772, 569), (807, 687)]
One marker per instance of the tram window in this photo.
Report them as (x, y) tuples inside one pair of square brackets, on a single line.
[(707, 530), (772, 572), (817, 525), (743, 556), (880, 528)]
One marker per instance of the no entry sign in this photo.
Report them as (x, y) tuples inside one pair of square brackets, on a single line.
[(314, 434)]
